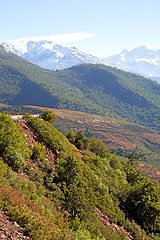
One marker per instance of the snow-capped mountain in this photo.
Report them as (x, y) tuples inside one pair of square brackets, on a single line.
[(49, 55), (143, 60)]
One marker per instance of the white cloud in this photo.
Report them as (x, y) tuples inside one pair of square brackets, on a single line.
[(61, 38), (71, 37)]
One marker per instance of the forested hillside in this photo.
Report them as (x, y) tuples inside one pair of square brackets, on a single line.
[(95, 89), (118, 93), (72, 188), (120, 136)]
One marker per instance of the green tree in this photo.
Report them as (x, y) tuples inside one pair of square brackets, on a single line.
[(71, 135), (133, 160), (144, 205), (133, 176), (38, 151), (79, 139), (12, 140), (49, 116), (17, 161), (98, 147), (115, 162)]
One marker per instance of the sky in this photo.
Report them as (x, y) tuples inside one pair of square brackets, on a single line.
[(99, 27)]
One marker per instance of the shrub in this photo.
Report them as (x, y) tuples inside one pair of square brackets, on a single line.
[(49, 116), (71, 136), (135, 230), (38, 151), (17, 161), (11, 138)]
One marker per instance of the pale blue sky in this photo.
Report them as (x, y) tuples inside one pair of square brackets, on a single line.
[(114, 25)]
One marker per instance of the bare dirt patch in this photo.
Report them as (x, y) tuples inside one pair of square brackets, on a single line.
[(115, 228), (32, 137), (10, 229)]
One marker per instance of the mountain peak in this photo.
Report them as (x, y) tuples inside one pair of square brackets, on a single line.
[(143, 60), (125, 51), (48, 54), (45, 52)]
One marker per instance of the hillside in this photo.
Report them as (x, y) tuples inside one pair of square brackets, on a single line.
[(120, 136), (118, 93), (10, 229), (57, 190), (96, 89), (143, 60)]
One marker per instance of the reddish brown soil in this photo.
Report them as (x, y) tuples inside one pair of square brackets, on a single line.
[(152, 173), (10, 229), (116, 134), (113, 132), (32, 137)]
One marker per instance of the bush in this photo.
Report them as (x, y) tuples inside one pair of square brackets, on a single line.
[(11, 138), (135, 230), (71, 136), (17, 161), (49, 116), (38, 151)]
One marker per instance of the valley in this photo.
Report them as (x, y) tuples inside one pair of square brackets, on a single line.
[(120, 136)]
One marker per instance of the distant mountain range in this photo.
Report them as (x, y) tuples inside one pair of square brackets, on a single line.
[(143, 60)]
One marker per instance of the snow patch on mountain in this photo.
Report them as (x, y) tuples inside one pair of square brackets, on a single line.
[(144, 60), (47, 54)]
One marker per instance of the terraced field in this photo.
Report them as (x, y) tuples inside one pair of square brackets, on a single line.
[(120, 136)]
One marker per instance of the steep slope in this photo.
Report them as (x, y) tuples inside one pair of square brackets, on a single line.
[(118, 93), (90, 196), (49, 55), (37, 196), (143, 60), (10, 229), (120, 136), (90, 88)]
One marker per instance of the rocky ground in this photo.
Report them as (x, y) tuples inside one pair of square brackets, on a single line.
[(10, 229), (115, 228), (32, 137)]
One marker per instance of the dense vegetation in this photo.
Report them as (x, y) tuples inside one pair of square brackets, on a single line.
[(79, 181), (117, 93), (22, 199), (95, 89), (120, 136)]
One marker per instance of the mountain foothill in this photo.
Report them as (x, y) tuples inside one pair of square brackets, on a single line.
[(92, 88)]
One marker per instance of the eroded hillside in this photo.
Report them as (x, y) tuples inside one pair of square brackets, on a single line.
[(56, 190), (10, 229)]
